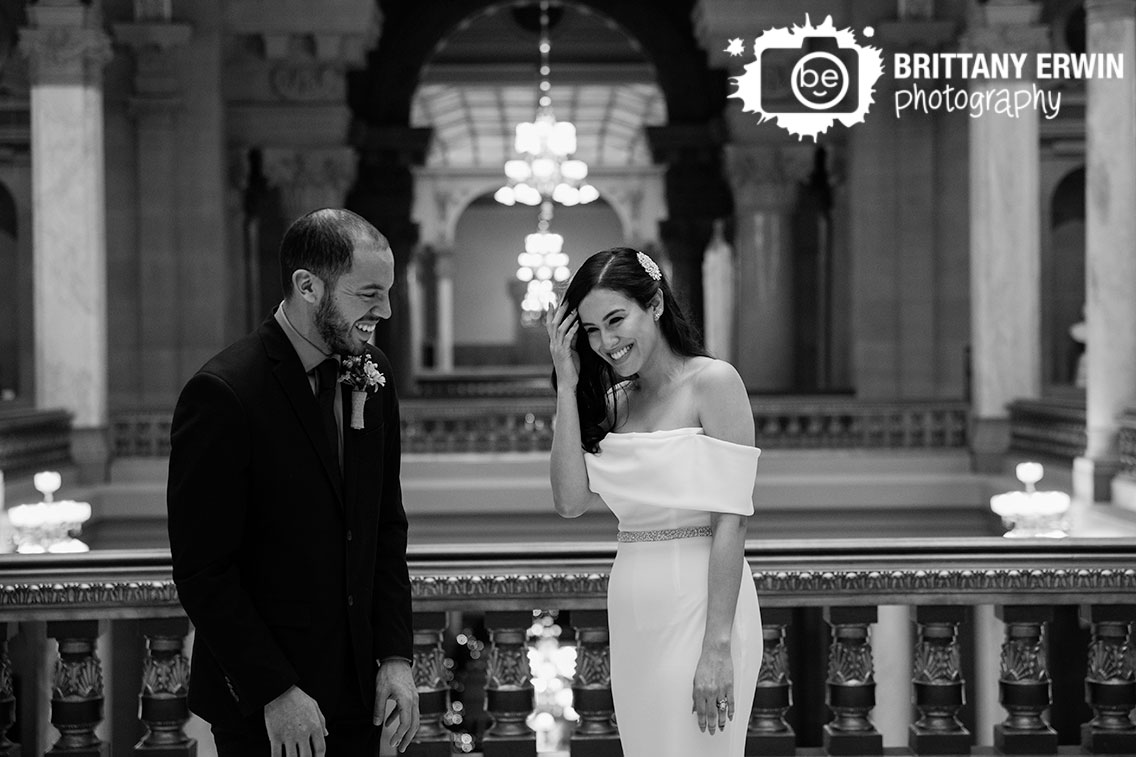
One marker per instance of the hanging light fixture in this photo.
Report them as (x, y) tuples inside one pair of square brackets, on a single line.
[(541, 266), (546, 170)]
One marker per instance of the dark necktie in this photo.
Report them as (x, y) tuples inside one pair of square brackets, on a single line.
[(327, 373)]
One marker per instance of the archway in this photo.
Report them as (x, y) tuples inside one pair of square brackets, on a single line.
[(689, 144)]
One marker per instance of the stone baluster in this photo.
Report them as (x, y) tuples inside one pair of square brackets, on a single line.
[(938, 682), (508, 688), (597, 734), (1023, 684), (1110, 681), (851, 683), (7, 694), (433, 738), (768, 733), (77, 690), (163, 703)]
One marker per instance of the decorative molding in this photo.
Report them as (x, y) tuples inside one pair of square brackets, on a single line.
[(310, 178), (309, 82), (763, 176), (434, 586), (78, 677), (66, 55), (167, 676)]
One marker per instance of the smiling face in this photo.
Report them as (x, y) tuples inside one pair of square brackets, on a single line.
[(352, 306), (619, 330)]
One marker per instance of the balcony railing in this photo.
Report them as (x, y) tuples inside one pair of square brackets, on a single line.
[(944, 584), (476, 424)]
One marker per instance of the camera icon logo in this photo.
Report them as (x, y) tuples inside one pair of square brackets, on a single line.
[(807, 78)]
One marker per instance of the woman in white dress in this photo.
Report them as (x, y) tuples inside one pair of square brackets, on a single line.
[(653, 428)]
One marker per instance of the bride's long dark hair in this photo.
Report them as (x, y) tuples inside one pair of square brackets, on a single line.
[(619, 270)]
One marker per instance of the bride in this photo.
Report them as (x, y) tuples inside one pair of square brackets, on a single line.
[(652, 427)]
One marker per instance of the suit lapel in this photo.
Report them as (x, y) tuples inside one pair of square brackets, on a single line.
[(290, 374)]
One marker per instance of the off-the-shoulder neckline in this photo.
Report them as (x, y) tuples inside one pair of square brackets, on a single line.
[(697, 429)]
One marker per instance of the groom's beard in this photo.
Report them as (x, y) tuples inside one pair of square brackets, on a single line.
[(334, 329)]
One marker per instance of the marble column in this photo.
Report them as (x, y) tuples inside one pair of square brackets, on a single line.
[(310, 178), (765, 180), (67, 49), (1110, 248), (416, 306), (1005, 239), (154, 107), (444, 278)]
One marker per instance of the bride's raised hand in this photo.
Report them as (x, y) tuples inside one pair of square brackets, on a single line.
[(562, 326)]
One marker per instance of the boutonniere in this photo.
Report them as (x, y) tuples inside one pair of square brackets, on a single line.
[(359, 373)]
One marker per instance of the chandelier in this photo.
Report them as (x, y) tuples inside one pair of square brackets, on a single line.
[(540, 266), (546, 171)]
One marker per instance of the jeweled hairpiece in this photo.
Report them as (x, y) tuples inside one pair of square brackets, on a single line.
[(650, 266)]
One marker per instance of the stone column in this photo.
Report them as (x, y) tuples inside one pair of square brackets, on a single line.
[(444, 278), (67, 49), (156, 102), (765, 179), (697, 194), (1110, 248), (1005, 239), (310, 178), (416, 306)]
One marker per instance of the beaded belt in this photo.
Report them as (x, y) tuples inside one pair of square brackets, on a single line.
[(664, 534)]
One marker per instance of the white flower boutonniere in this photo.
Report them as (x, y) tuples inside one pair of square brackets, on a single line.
[(359, 373)]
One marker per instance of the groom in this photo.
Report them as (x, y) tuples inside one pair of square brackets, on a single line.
[(286, 521)]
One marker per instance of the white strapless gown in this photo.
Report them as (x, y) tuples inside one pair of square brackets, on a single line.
[(658, 590)]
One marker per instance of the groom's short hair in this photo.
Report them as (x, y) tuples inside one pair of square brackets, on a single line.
[(322, 242)]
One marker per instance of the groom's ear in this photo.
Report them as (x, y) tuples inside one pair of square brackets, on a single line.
[(307, 285)]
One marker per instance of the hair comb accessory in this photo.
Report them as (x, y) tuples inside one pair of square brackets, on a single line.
[(650, 266)]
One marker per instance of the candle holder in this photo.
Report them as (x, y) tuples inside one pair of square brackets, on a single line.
[(49, 526), (1032, 513)]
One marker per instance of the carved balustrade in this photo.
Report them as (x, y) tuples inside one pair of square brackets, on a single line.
[(56, 611), (523, 423)]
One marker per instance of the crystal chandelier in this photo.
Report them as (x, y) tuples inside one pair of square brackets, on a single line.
[(546, 170), (540, 265)]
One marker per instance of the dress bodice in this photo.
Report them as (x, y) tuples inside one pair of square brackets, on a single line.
[(673, 478)]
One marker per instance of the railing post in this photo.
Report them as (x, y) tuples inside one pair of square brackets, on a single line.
[(162, 704), (938, 683), (7, 697), (851, 683), (597, 735), (1110, 681), (77, 691), (768, 733), (508, 688), (433, 738), (1023, 684)]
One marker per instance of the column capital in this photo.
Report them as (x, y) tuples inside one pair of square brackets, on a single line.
[(1110, 9), (310, 178), (157, 76), (1006, 26), (65, 44), (762, 175)]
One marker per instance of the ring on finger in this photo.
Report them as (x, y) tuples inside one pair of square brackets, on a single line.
[(723, 704)]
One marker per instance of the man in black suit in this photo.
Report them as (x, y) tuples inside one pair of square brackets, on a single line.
[(286, 523)]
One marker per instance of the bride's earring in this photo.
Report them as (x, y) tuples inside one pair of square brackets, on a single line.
[(658, 314)]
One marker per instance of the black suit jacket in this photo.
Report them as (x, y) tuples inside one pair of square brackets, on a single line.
[(286, 567)]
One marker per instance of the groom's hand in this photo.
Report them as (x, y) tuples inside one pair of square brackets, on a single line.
[(295, 722), (395, 682)]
